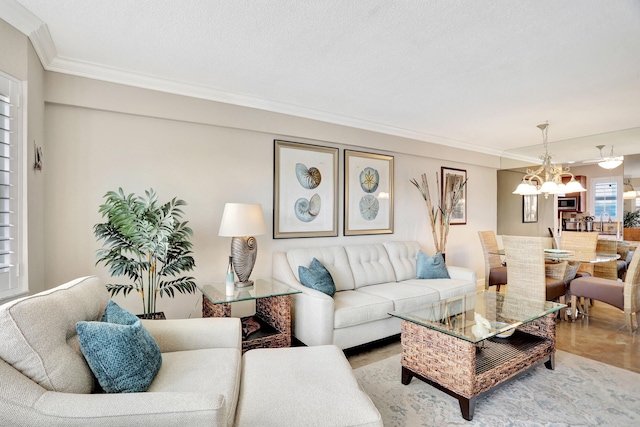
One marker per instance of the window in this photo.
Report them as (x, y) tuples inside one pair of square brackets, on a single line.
[(11, 188), (607, 198)]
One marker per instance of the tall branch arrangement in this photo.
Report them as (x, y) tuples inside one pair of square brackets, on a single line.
[(440, 215), (146, 242)]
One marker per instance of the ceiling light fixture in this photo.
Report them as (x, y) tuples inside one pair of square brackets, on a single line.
[(629, 191), (547, 179), (610, 162)]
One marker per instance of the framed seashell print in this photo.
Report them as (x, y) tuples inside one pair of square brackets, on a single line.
[(305, 190), (368, 193)]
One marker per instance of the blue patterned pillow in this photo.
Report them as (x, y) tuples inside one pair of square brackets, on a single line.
[(431, 267), (121, 353), (317, 277)]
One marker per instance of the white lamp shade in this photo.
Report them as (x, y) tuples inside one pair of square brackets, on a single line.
[(242, 219), (550, 187), (525, 189), (610, 164), (574, 186)]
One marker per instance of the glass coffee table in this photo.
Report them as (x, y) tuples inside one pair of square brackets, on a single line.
[(468, 345), (273, 310)]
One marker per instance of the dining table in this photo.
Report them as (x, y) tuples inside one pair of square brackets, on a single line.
[(558, 255)]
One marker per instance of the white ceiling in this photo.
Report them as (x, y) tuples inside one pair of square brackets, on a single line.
[(477, 74)]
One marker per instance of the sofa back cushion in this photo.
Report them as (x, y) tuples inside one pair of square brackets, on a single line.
[(370, 265), (403, 256), (334, 258), (38, 334)]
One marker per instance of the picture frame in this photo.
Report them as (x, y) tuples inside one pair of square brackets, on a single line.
[(368, 193), (305, 190), (530, 208), (459, 213)]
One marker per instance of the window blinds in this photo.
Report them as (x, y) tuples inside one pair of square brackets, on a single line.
[(8, 141)]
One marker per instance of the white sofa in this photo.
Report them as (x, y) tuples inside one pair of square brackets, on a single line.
[(45, 380), (371, 281)]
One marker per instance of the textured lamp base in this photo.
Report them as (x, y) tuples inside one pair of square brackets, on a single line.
[(244, 251)]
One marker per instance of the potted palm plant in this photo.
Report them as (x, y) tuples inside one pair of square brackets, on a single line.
[(146, 242)]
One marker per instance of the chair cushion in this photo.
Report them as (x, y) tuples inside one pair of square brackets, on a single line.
[(317, 277), (498, 276), (605, 290), (431, 267), (572, 271), (39, 334), (555, 288), (120, 352)]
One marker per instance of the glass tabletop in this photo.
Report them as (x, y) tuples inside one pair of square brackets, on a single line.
[(215, 292), (572, 256), (479, 315)]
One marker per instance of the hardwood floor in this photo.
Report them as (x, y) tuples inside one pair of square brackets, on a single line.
[(602, 336)]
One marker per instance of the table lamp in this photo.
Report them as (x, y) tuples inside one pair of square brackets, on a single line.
[(241, 222)]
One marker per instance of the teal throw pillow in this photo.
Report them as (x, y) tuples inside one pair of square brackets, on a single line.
[(317, 277), (121, 353), (431, 267)]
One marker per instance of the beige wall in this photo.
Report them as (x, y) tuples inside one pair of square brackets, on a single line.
[(102, 136), (18, 59), (510, 208)]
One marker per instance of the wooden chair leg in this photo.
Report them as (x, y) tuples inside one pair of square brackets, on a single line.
[(574, 308), (498, 287)]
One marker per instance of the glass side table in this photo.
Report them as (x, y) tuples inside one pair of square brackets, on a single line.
[(273, 310)]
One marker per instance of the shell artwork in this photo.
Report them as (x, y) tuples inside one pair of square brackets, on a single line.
[(369, 207), (307, 210), (309, 178), (369, 179)]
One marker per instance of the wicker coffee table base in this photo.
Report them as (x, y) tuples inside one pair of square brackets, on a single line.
[(465, 371)]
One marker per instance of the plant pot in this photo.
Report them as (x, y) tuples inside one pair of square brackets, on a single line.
[(152, 316)]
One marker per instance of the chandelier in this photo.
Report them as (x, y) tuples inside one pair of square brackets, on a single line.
[(547, 179)]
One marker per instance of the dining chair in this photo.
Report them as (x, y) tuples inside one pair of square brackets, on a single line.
[(580, 242), (622, 263), (528, 275), (623, 295), (609, 269), (495, 274)]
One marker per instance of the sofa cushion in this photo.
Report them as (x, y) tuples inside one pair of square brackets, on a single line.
[(370, 265), (120, 352), (403, 256), (210, 371), (446, 288), (405, 297), (334, 258), (431, 267), (317, 277), (355, 307), (39, 334)]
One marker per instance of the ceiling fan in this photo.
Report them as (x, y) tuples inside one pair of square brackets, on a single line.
[(609, 162)]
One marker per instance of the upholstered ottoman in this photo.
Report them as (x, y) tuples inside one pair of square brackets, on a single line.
[(302, 386)]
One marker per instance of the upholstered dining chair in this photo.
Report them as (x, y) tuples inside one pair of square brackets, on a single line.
[(623, 295), (495, 274), (529, 276), (580, 242)]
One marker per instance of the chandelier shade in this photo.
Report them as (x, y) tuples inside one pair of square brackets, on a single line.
[(610, 162), (547, 179)]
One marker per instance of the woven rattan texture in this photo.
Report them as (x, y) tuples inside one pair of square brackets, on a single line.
[(525, 260), (461, 367), (215, 310), (490, 250), (580, 242), (609, 269)]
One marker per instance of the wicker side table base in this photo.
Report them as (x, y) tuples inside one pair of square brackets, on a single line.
[(465, 372)]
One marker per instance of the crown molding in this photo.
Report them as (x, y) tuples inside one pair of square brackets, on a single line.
[(16, 15)]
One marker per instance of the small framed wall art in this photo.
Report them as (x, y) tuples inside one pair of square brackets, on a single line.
[(449, 177), (305, 190), (368, 193), (530, 208)]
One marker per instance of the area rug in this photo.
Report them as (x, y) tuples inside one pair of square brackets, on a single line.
[(579, 392)]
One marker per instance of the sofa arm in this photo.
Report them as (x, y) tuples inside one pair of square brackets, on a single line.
[(193, 334), (313, 311), (462, 273)]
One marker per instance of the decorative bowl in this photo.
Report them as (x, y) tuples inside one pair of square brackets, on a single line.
[(500, 325)]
